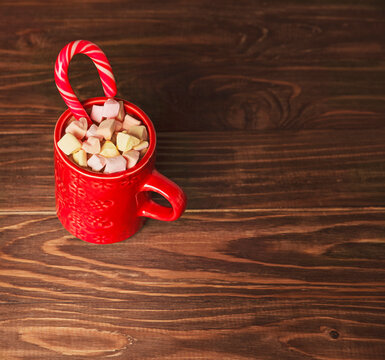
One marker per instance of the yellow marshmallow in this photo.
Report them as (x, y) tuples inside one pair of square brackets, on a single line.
[(141, 146), (139, 132), (69, 144), (109, 149), (125, 142), (80, 157)]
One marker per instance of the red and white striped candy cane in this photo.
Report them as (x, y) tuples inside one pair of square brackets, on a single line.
[(61, 74)]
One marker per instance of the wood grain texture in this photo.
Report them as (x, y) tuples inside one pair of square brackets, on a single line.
[(270, 115), (261, 285), (230, 65), (229, 170)]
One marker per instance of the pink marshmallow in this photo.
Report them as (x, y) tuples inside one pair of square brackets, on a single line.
[(92, 145), (130, 121), (92, 132), (106, 128), (132, 157), (84, 122), (96, 162), (111, 109), (77, 128), (97, 113), (115, 164)]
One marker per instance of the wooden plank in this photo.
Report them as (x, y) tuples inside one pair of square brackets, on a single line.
[(60, 330), (229, 170), (280, 254), (268, 285), (241, 65)]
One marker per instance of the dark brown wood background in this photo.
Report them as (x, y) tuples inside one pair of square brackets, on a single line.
[(271, 116)]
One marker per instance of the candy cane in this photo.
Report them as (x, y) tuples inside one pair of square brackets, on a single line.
[(61, 74)]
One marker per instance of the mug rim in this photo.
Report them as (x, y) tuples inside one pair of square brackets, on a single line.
[(128, 106)]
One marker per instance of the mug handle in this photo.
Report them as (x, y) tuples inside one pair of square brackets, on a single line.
[(172, 192)]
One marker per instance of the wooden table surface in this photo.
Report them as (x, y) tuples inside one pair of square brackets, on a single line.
[(271, 117)]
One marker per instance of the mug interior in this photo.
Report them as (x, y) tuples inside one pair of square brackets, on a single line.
[(130, 109)]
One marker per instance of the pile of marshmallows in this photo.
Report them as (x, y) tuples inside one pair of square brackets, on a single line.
[(115, 144)]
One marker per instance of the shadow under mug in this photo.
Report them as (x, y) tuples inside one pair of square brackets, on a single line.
[(107, 208)]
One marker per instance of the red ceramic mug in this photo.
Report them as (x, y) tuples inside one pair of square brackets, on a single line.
[(107, 208)]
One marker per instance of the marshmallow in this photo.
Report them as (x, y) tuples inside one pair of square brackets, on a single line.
[(121, 113), (106, 128), (115, 164), (143, 152), (78, 128), (84, 122), (125, 142), (130, 121), (80, 157), (111, 108), (96, 162), (69, 144), (109, 149), (71, 119), (97, 113), (102, 143), (92, 145), (141, 146), (118, 126), (92, 132), (139, 132), (132, 157)]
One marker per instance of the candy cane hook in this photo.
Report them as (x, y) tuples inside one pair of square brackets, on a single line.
[(61, 74)]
